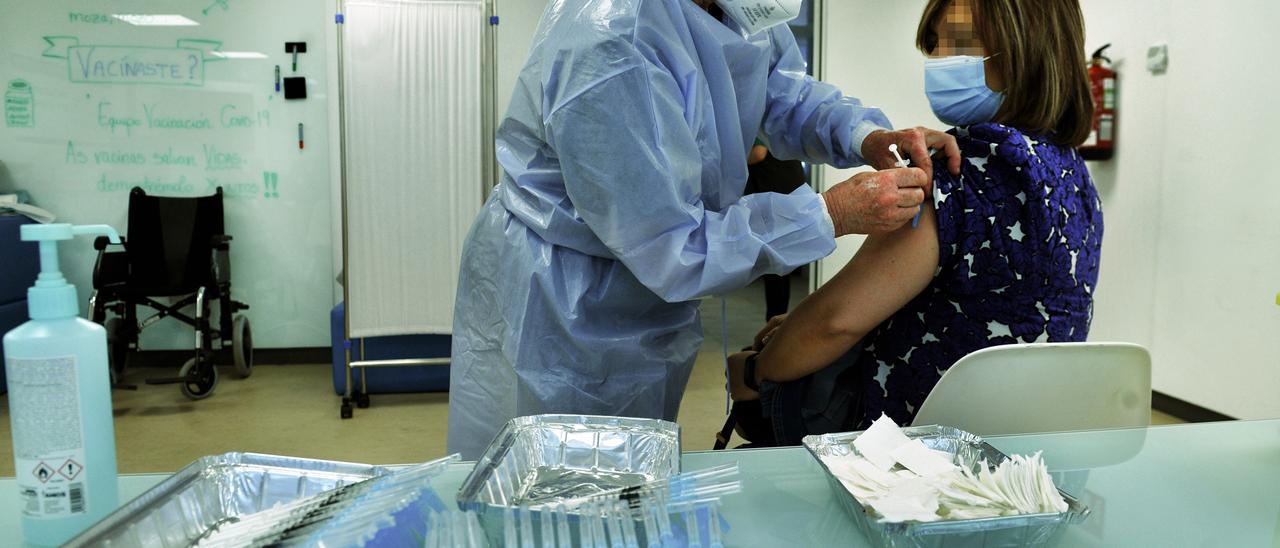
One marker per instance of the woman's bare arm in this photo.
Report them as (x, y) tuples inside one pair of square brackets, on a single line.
[(887, 272)]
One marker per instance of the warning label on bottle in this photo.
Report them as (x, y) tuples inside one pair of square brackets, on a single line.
[(48, 438)]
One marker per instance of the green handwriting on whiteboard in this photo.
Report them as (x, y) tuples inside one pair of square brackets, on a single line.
[(182, 65), (212, 157), (216, 4), (113, 157), (271, 181), (91, 18), (232, 188), (19, 105), (158, 186), (158, 116), (221, 160), (179, 186), (231, 116)]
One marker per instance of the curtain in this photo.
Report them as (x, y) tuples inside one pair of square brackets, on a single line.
[(413, 113)]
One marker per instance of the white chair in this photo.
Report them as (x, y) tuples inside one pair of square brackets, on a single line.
[(1043, 387)]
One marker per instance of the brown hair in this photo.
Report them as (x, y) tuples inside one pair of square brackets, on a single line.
[(1038, 47)]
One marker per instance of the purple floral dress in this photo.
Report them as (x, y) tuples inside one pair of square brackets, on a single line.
[(1020, 235)]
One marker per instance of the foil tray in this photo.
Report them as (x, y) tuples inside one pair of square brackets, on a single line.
[(539, 461), (967, 450), (214, 490)]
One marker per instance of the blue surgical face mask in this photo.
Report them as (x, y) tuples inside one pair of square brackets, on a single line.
[(958, 92)]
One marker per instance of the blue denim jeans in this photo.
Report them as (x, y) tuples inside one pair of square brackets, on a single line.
[(824, 402)]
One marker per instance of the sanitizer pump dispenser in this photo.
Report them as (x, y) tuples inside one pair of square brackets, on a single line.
[(64, 444)]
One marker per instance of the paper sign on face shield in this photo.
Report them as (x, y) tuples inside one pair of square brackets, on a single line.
[(757, 15)]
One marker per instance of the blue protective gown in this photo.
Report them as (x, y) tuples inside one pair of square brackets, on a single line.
[(625, 158)]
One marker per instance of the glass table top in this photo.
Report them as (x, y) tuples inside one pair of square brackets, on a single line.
[(1210, 484)]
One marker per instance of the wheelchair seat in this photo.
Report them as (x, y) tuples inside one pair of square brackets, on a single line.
[(175, 249)]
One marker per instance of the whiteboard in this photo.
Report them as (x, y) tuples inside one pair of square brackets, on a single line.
[(178, 110)]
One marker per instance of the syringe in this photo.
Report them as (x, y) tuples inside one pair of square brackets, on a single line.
[(905, 163)]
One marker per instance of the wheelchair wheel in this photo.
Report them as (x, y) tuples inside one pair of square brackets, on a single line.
[(117, 348), (202, 387), (242, 346)]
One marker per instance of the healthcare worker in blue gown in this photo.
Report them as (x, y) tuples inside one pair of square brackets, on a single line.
[(625, 157)]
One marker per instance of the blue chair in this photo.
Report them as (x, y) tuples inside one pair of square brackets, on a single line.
[(387, 380)]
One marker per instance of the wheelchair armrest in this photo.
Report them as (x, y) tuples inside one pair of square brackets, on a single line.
[(221, 263), (110, 269), (101, 242), (220, 241)]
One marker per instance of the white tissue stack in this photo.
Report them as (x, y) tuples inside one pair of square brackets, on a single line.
[(902, 480)]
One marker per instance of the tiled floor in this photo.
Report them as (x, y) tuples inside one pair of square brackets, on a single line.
[(292, 410)]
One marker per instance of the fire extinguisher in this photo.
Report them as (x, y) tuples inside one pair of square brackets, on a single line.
[(1101, 144)]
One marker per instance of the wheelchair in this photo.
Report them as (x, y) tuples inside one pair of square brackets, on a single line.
[(176, 249)]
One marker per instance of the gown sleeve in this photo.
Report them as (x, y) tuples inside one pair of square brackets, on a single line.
[(633, 171), (810, 120)]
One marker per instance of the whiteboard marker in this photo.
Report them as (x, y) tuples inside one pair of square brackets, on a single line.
[(299, 135), (277, 78)]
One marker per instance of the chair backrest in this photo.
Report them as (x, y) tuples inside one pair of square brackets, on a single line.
[(170, 240), (1044, 387)]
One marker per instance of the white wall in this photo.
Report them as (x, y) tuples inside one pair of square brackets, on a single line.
[(1189, 211), (1191, 264), (518, 20), (1130, 183), (869, 52)]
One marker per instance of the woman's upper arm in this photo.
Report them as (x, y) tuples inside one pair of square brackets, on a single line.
[(887, 273)]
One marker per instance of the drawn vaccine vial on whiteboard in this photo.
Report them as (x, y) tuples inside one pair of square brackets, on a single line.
[(19, 105)]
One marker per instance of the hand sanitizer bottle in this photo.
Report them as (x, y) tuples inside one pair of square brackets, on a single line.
[(64, 445)]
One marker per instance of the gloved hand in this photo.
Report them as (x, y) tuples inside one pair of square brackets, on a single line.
[(878, 201), (914, 144)]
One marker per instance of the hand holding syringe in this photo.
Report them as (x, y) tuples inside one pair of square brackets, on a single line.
[(906, 163)]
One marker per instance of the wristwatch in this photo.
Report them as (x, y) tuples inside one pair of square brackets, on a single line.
[(749, 373)]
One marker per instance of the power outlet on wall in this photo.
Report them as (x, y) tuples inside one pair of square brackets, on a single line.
[(1158, 58)]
